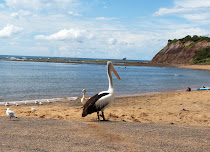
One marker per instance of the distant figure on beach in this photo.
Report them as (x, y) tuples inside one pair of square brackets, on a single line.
[(83, 100), (188, 89), (204, 87)]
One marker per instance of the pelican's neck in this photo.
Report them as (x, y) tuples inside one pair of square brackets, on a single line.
[(111, 87)]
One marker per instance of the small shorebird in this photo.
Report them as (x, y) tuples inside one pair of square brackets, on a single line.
[(103, 99), (40, 103), (26, 102), (33, 109), (48, 101), (36, 102), (6, 104), (83, 100), (16, 103), (10, 113)]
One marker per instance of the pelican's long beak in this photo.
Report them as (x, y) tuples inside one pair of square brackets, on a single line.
[(115, 72)]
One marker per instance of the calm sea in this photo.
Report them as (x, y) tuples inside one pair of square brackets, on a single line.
[(38, 80)]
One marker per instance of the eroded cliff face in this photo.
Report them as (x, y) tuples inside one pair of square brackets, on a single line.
[(179, 52)]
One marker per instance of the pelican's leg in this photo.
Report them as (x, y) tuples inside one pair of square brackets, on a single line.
[(98, 115), (103, 116)]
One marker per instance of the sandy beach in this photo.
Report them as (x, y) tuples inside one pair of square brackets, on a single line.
[(156, 122), (180, 108), (198, 67)]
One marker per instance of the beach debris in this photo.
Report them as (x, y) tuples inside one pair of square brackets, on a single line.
[(83, 100), (185, 110), (10, 113), (36, 102), (33, 109), (6, 104)]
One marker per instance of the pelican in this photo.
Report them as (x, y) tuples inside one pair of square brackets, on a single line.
[(10, 113), (103, 99), (83, 100)]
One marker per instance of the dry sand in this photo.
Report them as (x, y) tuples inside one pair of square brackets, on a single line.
[(181, 108), (199, 67)]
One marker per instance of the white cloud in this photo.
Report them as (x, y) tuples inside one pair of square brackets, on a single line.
[(2, 5), (20, 13), (106, 18), (9, 30), (192, 3), (112, 41), (63, 35), (42, 5), (74, 14), (180, 33), (184, 6), (166, 11)]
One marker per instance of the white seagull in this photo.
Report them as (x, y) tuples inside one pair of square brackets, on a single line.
[(83, 100), (33, 109), (16, 103), (40, 103), (6, 103), (26, 103), (103, 99), (36, 102), (48, 101), (10, 113)]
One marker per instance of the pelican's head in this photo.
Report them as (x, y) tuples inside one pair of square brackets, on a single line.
[(110, 67)]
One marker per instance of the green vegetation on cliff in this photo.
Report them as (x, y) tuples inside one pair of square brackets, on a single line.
[(188, 38), (202, 55)]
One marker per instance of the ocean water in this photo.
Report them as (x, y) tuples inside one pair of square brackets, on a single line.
[(38, 80)]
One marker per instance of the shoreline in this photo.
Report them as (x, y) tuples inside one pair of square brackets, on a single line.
[(54, 99), (179, 108), (115, 62)]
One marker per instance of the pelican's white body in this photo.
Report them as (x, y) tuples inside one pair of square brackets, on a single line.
[(105, 101)]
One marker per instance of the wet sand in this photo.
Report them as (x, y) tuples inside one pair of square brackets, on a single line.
[(157, 122), (36, 134)]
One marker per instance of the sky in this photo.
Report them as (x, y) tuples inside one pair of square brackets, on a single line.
[(107, 29)]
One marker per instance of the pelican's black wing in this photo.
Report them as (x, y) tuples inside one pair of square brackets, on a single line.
[(90, 107)]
